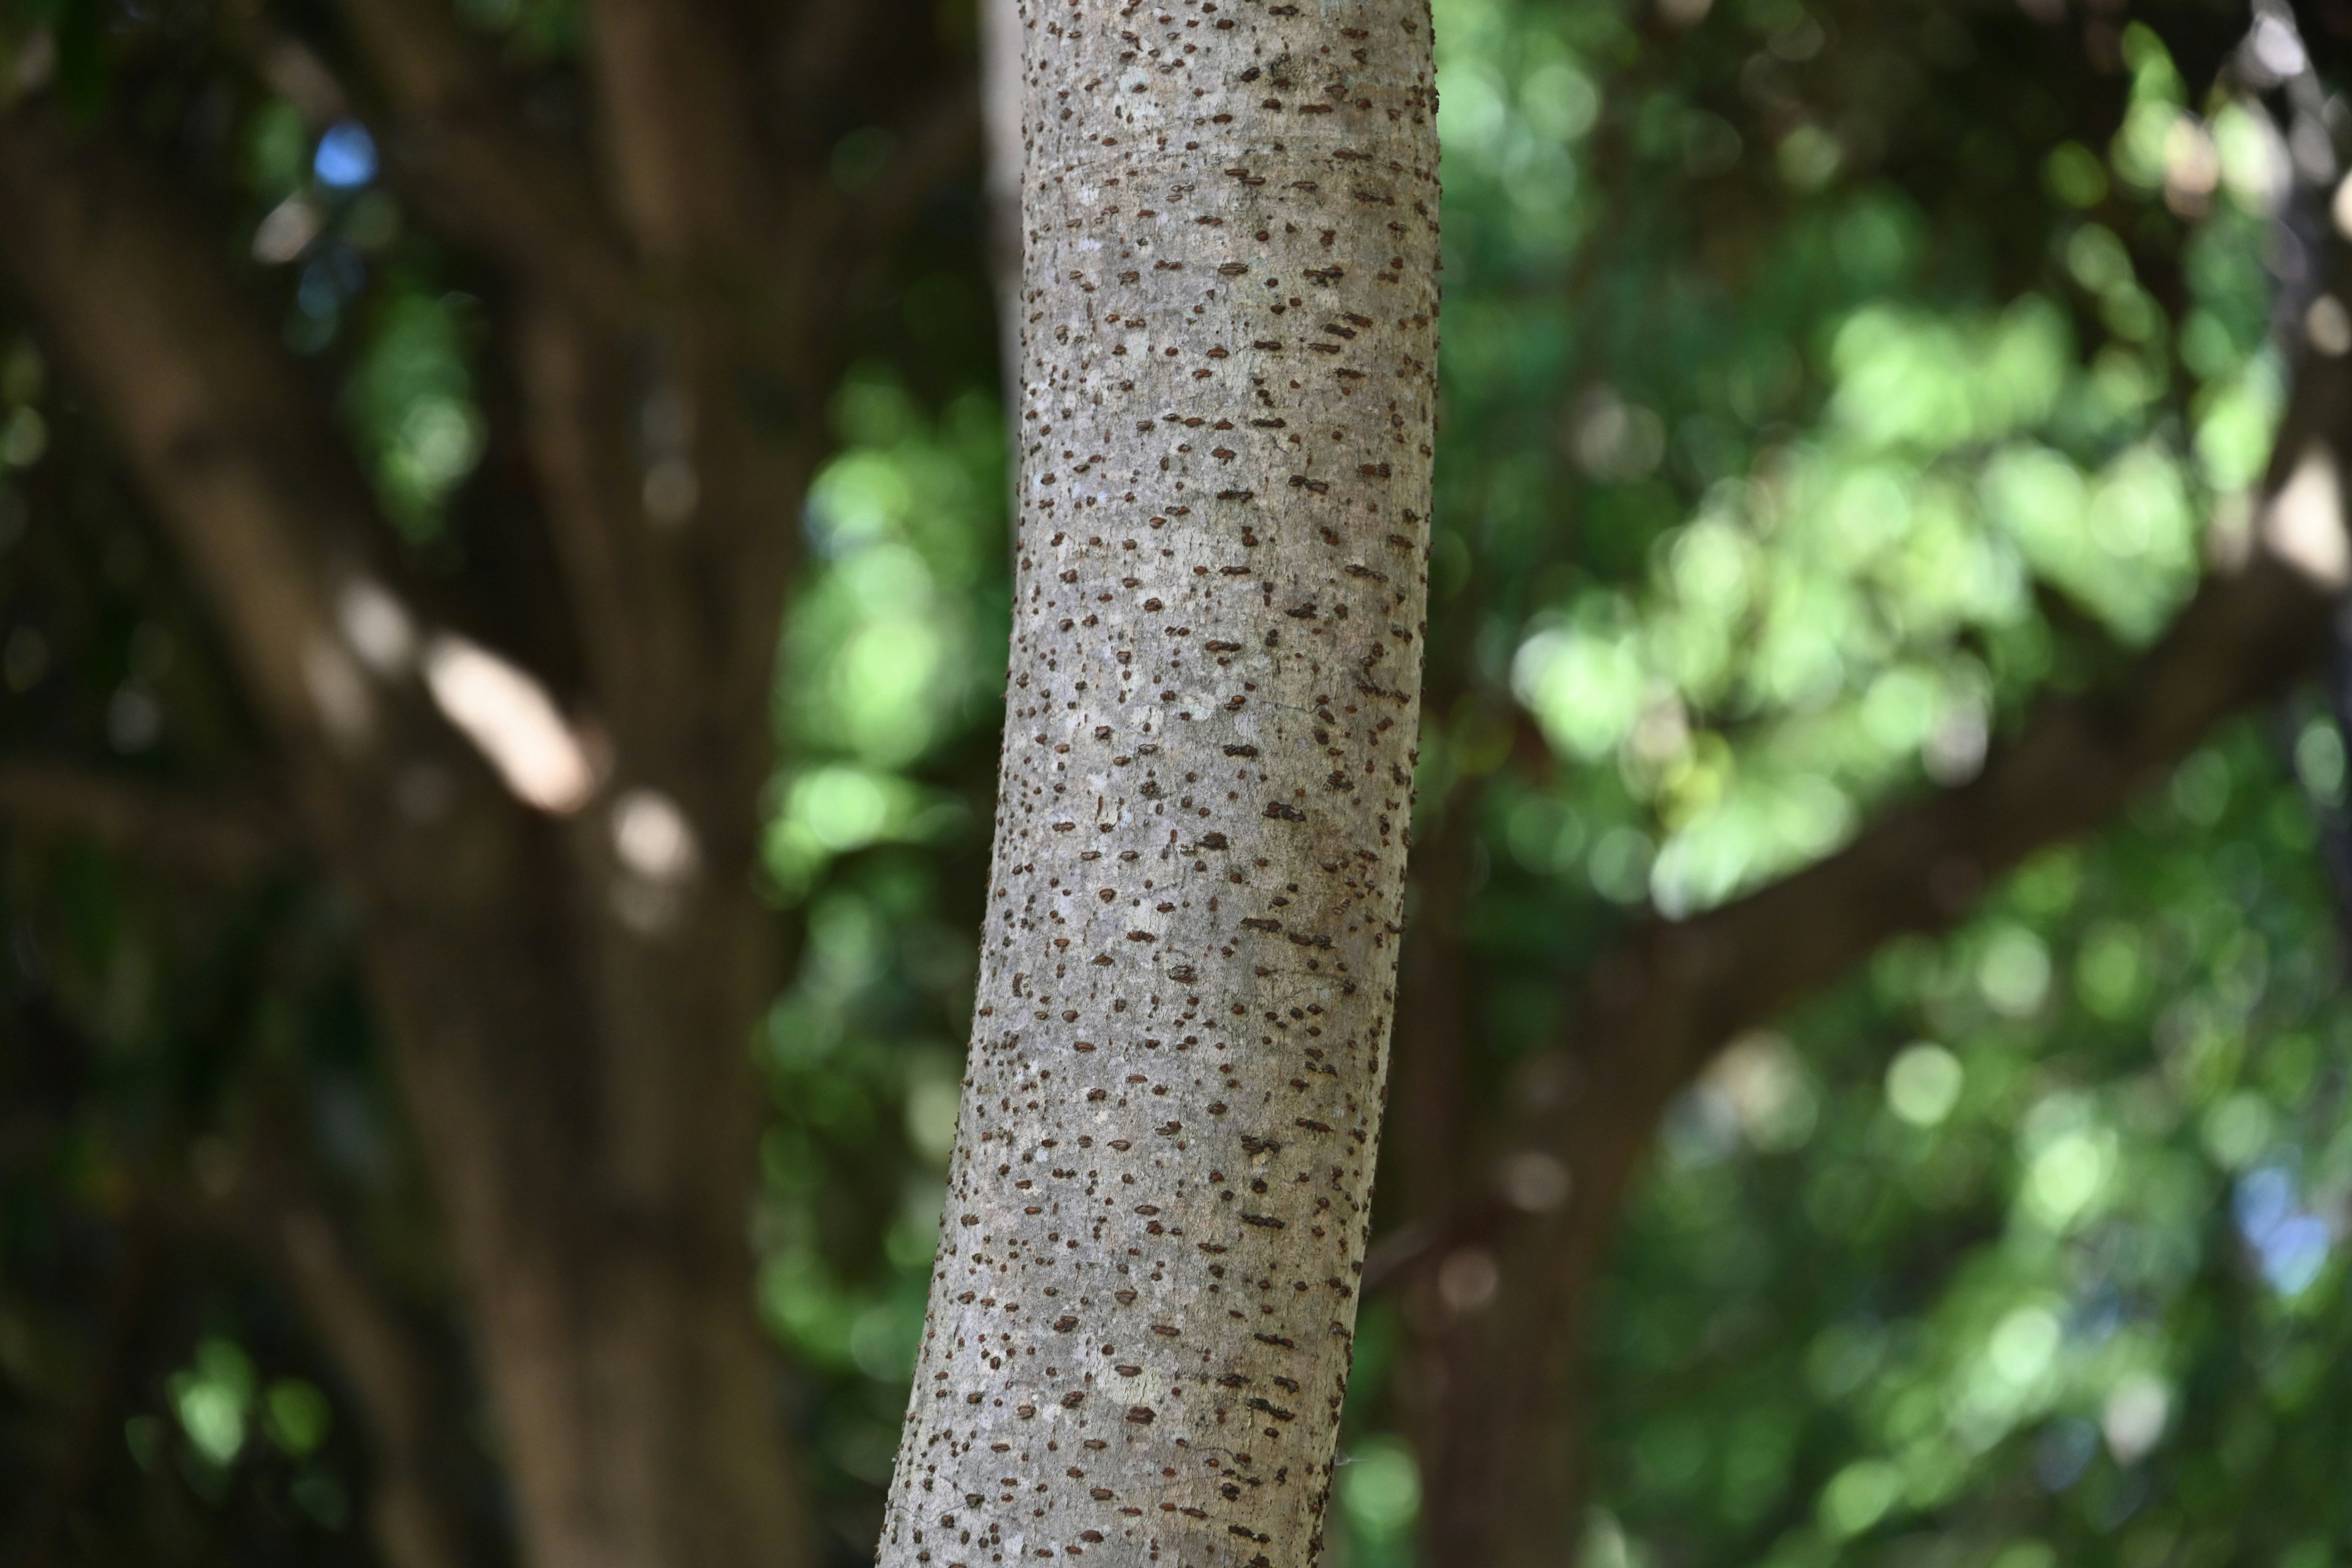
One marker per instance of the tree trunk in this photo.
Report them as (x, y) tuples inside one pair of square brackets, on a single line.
[(606, 1265), (1141, 1315)]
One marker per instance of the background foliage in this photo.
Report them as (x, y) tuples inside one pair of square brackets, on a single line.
[(1821, 383)]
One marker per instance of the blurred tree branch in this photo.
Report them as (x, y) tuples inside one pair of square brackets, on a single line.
[(222, 837), (681, 150), (458, 148), (271, 1209), (233, 444)]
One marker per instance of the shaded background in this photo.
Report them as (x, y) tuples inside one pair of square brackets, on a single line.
[(1824, 385)]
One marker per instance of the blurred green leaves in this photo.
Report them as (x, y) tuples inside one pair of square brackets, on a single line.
[(1378, 1489), (891, 668), (411, 396), (2024, 1240), (895, 647), (213, 1399)]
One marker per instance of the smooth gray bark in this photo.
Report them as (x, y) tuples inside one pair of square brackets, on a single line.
[(1142, 1311)]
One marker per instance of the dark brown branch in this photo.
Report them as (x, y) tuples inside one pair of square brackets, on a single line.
[(574, 384), (941, 140), (1922, 868), (269, 1209), (458, 148), (2252, 630), (391, 1376), (91, 1436), (815, 52), (234, 446), (223, 838), (705, 409), (680, 140)]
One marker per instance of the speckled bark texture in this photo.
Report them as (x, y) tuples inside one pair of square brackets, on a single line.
[(1142, 1313)]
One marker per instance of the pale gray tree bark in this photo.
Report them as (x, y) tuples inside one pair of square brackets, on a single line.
[(1000, 123), (1142, 1311)]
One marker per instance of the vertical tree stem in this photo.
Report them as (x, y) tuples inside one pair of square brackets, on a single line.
[(1142, 1312)]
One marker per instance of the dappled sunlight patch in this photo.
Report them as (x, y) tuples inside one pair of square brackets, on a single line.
[(1582, 682), (1858, 1497), (838, 809), (513, 720), (1856, 608), (887, 653), (2069, 1162), (2121, 542), (1907, 378), (1924, 1083), (1767, 824), (894, 647), (1825, 593)]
